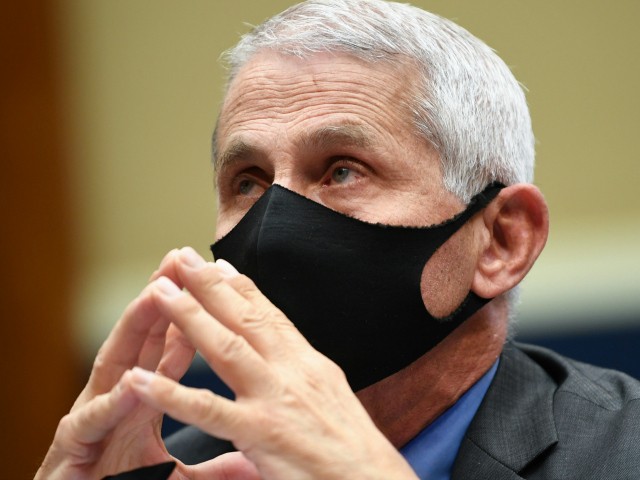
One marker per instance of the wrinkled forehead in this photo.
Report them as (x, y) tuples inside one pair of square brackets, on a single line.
[(280, 83)]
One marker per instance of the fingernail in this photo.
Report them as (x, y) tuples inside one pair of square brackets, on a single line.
[(171, 253), (190, 258), (170, 256), (226, 269), (167, 287), (141, 376)]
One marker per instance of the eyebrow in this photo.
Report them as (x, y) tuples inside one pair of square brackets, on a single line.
[(238, 149), (347, 134)]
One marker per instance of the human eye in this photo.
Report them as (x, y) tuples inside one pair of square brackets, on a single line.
[(242, 187), (344, 172), (246, 187)]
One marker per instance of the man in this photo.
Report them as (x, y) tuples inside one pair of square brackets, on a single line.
[(373, 170)]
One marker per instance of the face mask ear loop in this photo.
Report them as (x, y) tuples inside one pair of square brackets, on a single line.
[(472, 302), (477, 203)]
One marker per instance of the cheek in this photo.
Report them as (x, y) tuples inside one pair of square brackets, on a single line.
[(447, 276), (225, 222)]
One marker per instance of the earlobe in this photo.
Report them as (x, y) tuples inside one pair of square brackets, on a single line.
[(516, 228)]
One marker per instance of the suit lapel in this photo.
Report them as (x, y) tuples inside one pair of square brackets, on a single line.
[(514, 423), (475, 463)]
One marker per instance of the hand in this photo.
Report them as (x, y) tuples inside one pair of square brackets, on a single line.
[(294, 415), (108, 430)]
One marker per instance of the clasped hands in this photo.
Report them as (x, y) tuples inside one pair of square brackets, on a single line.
[(294, 415)]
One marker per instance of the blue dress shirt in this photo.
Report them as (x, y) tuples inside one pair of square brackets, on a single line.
[(432, 452)]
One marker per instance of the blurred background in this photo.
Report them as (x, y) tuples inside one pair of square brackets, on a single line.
[(105, 121)]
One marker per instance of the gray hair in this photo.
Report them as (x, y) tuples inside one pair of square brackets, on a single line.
[(466, 103)]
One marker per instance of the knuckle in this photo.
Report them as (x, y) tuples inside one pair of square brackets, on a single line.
[(189, 308), (264, 316), (65, 427), (281, 322), (65, 437), (101, 373), (91, 412), (232, 347), (209, 279), (252, 318), (245, 287), (275, 325), (336, 373), (273, 424), (321, 370), (99, 363), (204, 407), (243, 284), (262, 310)]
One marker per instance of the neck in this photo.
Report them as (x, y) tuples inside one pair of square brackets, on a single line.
[(403, 404)]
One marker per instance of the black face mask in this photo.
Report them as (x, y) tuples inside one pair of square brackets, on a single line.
[(351, 287)]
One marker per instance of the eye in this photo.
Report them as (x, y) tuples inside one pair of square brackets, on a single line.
[(342, 174), (345, 171), (246, 186), (248, 183)]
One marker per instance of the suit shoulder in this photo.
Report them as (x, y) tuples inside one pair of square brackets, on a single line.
[(547, 416), (604, 388)]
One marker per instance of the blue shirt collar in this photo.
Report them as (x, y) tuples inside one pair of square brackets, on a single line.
[(432, 452)]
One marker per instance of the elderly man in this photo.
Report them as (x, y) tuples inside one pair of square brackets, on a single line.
[(373, 169)]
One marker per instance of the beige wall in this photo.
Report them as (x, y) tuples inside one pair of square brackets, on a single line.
[(142, 87)]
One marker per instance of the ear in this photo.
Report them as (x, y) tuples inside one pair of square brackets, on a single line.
[(516, 227)]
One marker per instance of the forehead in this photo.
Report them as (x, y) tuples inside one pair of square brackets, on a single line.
[(275, 91)]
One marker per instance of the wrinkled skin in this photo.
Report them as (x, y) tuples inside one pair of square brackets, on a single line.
[(279, 380), (338, 132)]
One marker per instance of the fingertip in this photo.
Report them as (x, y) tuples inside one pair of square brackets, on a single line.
[(123, 388), (170, 254), (191, 258), (166, 287), (165, 261), (140, 377), (226, 269), (125, 378)]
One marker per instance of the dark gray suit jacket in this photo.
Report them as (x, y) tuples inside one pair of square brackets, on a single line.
[(544, 417)]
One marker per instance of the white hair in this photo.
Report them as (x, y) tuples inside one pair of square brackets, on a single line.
[(466, 102)]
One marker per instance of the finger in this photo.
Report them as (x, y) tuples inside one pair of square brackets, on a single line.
[(154, 345), (202, 408), (165, 266), (282, 340), (230, 466), (122, 348), (178, 355), (125, 345), (91, 423), (262, 324), (248, 290), (228, 353)]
